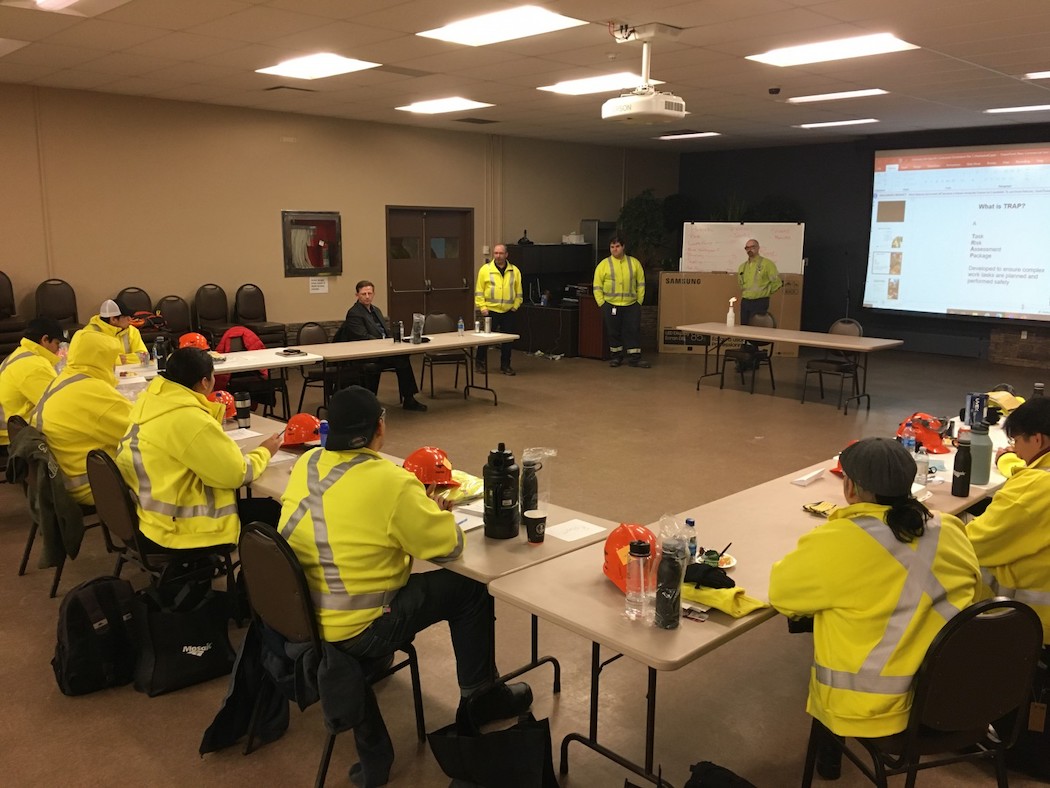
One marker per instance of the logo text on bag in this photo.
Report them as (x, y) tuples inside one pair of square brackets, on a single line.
[(197, 651)]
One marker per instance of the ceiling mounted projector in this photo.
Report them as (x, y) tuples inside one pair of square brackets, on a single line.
[(644, 105)]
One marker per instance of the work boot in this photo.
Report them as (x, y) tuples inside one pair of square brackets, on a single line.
[(411, 403), (499, 703), (638, 361), (508, 371), (615, 361), (479, 366)]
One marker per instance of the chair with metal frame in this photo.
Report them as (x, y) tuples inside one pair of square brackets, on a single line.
[(116, 508), (211, 311), (978, 669), (11, 325), (752, 355), (837, 362), (249, 309), (280, 599), (176, 313), (55, 299), (441, 323), (315, 375)]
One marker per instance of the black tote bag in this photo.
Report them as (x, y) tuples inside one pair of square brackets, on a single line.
[(515, 757)]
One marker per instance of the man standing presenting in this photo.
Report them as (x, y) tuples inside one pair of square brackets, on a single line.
[(364, 320), (759, 279), (28, 371), (497, 294), (619, 289), (114, 319)]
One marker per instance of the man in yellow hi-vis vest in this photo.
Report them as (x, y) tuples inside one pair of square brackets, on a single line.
[(498, 295), (619, 289)]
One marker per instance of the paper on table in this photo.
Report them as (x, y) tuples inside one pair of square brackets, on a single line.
[(283, 456), (571, 530), (243, 434), (468, 522), (809, 478)]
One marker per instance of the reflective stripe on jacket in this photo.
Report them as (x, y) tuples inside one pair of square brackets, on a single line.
[(355, 521), (184, 470), (498, 291), (24, 376), (758, 278), (130, 339), (620, 282), (877, 604)]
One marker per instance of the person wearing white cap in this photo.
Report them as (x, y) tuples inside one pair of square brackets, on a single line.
[(114, 319)]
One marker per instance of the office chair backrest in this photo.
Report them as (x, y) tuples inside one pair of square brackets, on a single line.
[(847, 327), (7, 297), (55, 298), (978, 668), (249, 304), (311, 334), (277, 587), (763, 320), (210, 304), (176, 313), (136, 299), (438, 323), (113, 500)]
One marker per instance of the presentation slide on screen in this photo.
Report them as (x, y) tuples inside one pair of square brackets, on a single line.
[(961, 231)]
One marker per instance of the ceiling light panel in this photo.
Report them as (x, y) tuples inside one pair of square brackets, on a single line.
[(508, 25), (848, 94), (607, 83), (317, 66), (830, 123), (838, 49), (438, 106)]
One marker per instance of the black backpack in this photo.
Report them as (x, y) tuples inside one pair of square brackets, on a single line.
[(97, 641)]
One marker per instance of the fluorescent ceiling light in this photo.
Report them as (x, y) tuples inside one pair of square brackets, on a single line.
[(839, 49), (436, 106), (54, 5), (521, 22), (836, 96), (1037, 75), (837, 123), (689, 135), (607, 83), (323, 64), (1031, 108)]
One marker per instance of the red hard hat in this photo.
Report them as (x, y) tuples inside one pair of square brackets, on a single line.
[(302, 428), (929, 432), (617, 547), (226, 398), (193, 339), (431, 466)]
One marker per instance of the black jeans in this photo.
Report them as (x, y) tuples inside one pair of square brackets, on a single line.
[(504, 323), (402, 365), (624, 328), (430, 597), (752, 306)]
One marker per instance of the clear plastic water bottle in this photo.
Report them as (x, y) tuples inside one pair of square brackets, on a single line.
[(323, 432), (460, 327), (636, 606), (922, 466), (690, 527), (63, 351), (908, 437)]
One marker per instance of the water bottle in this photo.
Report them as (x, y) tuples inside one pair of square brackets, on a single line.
[(530, 488), (1037, 390), (161, 351), (322, 430), (63, 352), (922, 466), (460, 327), (669, 584), (981, 452), (908, 437), (636, 607), (501, 479), (690, 527), (963, 464)]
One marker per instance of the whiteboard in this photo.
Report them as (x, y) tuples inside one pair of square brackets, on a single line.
[(719, 246)]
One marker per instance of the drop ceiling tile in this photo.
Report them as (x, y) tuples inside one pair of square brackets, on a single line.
[(20, 72), (258, 24), (184, 46), (31, 25), (77, 79), (101, 34), (177, 15), (57, 57), (127, 65)]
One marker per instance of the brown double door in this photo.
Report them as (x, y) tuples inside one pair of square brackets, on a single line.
[(429, 262)]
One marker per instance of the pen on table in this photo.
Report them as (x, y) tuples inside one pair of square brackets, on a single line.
[(461, 521), (724, 549)]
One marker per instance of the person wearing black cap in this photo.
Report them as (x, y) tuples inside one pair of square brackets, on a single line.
[(880, 579), (356, 520), (114, 319)]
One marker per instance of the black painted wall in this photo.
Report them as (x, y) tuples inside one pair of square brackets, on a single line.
[(831, 186)]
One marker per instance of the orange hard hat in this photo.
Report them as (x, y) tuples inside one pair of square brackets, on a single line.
[(226, 398), (431, 466), (617, 548), (929, 432), (193, 339), (302, 428)]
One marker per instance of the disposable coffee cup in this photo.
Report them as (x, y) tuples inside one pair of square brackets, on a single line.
[(488, 325), (535, 525)]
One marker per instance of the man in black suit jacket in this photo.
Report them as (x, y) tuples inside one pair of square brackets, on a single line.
[(365, 321)]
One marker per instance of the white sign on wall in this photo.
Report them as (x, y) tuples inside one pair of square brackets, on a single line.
[(719, 246), (318, 284)]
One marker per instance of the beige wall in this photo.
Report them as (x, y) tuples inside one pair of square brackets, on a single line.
[(109, 191)]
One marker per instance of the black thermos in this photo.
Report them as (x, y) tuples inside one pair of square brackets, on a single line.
[(501, 494)]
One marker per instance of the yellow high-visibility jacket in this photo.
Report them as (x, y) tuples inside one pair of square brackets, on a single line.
[(374, 518), (1012, 539), (620, 282), (23, 377), (758, 278), (130, 339), (498, 291), (871, 630), (82, 410), (184, 469)]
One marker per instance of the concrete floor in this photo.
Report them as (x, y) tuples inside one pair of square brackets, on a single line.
[(633, 444)]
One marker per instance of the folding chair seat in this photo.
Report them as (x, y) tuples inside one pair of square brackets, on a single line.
[(752, 355), (440, 323), (841, 363)]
